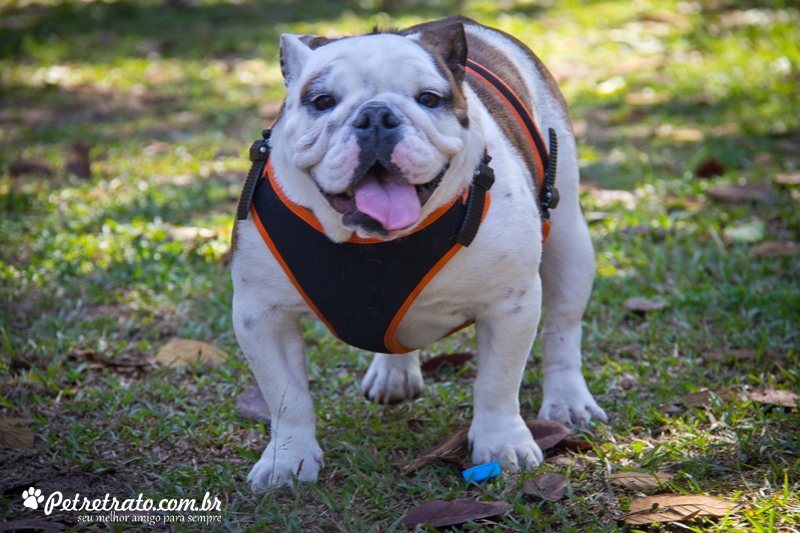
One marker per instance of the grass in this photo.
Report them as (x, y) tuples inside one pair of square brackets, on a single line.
[(170, 95)]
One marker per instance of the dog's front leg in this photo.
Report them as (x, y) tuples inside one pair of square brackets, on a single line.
[(505, 337), (273, 344)]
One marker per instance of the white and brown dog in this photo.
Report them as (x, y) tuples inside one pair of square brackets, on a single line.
[(380, 137)]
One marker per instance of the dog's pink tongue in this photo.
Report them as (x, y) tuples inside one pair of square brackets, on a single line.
[(393, 203)]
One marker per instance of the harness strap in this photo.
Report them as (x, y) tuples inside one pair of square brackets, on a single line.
[(548, 194)]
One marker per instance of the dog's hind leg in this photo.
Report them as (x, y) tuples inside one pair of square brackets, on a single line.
[(392, 378), (567, 271)]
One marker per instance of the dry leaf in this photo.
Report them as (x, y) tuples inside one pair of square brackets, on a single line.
[(598, 216), (29, 166), (637, 64), (674, 507), (180, 352), (446, 448), (708, 168), (646, 98), (11, 437), (740, 355), (439, 513), (575, 444), (640, 480), (548, 433), (642, 305), (703, 398), (739, 194), (787, 179), (784, 398), (550, 487), (446, 360), (189, 233), (775, 249), (251, 404)]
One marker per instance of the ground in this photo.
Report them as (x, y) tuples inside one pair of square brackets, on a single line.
[(123, 134)]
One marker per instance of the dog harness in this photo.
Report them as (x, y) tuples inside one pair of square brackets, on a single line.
[(362, 288)]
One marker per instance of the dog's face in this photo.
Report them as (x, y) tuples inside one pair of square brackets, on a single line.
[(375, 121)]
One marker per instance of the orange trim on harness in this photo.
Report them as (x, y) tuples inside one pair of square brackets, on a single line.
[(389, 339), (309, 218)]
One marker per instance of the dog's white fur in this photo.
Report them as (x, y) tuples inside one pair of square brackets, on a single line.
[(500, 280)]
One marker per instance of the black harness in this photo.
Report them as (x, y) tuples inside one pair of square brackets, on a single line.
[(362, 290)]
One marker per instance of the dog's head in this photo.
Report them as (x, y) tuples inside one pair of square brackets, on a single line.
[(378, 122)]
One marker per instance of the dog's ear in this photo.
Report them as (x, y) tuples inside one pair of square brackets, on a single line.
[(295, 51), (450, 42)]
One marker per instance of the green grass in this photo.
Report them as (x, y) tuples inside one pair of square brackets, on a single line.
[(171, 94)]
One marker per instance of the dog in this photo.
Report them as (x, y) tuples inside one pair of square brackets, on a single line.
[(374, 188)]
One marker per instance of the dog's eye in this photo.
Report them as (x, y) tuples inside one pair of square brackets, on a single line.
[(428, 99), (323, 102)]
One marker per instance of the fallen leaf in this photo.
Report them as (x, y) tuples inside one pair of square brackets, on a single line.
[(13, 437), (679, 134), (251, 404), (548, 433), (775, 249), (640, 480), (81, 165), (598, 216), (668, 17), (189, 233), (787, 179), (29, 166), (708, 168), (180, 352), (739, 355), (704, 398), (446, 360), (646, 98), (752, 231), (439, 513), (675, 507), (642, 305), (446, 448), (784, 398), (31, 523), (739, 194), (637, 64), (575, 444), (550, 487)]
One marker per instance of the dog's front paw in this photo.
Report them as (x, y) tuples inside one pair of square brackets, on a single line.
[(393, 378), (506, 440), (276, 468), (568, 400)]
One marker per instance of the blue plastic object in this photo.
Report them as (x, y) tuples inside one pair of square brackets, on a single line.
[(479, 473)]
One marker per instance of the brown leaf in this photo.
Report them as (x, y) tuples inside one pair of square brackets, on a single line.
[(575, 444), (642, 305), (439, 513), (446, 360), (11, 437), (784, 398), (550, 487), (740, 355), (787, 179), (180, 352), (640, 480), (708, 168), (739, 194), (548, 433), (29, 166), (775, 249), (81, 165), (251, 404), (637, 64), (446, 448), (675, 507), (703, 398), (31, 523)]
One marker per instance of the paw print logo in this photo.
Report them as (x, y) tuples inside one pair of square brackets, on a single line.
[(32, 498)]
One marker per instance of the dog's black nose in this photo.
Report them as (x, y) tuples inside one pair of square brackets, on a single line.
[(376, 117)]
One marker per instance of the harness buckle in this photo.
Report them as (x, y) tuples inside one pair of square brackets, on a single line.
[(484, 174)]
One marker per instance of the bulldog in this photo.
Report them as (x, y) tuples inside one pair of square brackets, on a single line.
[(375, 209)]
